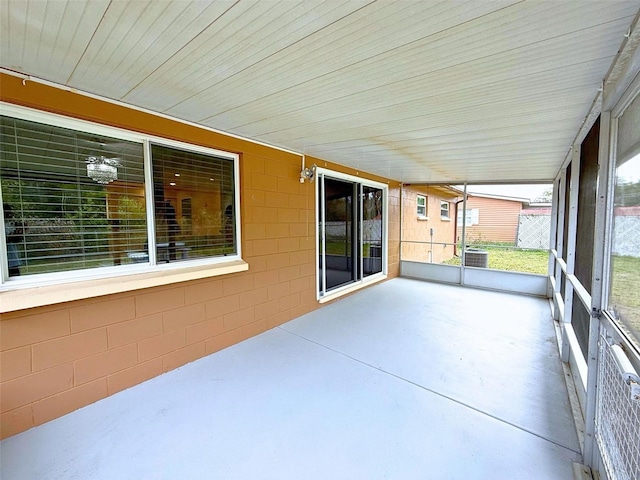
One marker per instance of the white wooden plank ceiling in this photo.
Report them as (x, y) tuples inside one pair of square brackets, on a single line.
[(418, 91)]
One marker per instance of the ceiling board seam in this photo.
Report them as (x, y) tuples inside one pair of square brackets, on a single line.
[(272, 54), (89, 42), (435, 95), (42, 29), (415, 41), (206, 96), (405, 45), (67, 88), (413, 102), (459, 109), (123, 58), (57, 39), (115, 48), (180, 49)]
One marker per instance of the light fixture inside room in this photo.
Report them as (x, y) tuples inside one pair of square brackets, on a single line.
[(102, 169)]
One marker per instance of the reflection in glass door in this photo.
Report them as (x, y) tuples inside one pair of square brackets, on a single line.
[(372, 231), (350, 232), (339, 233)]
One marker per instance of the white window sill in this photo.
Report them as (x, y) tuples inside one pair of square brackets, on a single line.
[(422, 219), (445, 219), (38, 296)]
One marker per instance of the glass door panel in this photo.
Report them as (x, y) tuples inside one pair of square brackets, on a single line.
[(372, 218), (340, 233), (350, 232)]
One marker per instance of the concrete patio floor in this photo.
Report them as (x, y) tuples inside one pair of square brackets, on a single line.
[(404, 380)]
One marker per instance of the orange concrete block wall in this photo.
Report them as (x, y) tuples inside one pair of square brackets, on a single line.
[(57, 358), (416, 232)]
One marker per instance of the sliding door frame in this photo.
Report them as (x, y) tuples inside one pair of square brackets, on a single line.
[(322, 295)]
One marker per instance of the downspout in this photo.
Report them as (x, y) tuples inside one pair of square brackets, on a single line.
[(431, 232), (455, 229)]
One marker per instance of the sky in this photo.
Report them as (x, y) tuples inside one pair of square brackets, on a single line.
[(629, 172)]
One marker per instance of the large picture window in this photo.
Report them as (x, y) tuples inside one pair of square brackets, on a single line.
[(78, 199)]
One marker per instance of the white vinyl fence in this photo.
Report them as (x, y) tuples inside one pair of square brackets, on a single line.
[(533, 231), (626, 234)]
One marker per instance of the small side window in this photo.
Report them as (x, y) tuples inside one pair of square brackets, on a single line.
[(421, 205), (444, 209)]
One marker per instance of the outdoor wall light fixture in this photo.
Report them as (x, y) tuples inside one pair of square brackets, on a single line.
[(308, 173), (102, 169)]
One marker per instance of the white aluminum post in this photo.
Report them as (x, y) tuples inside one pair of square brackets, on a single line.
[(401, 220), (601, 239), (570, 247), (552, 243), (561, 226), (464, 233)]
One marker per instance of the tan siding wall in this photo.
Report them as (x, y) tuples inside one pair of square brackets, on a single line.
[(58, 358), (418, 230), (498, 220)]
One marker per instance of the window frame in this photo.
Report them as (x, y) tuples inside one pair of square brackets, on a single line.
[(629, 339), (152, 267), (321, 173), (448, 209), (418, 206)]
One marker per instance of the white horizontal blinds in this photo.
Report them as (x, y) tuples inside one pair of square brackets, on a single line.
[(194, 204), (625, 248), (629, 132), (61, 218)]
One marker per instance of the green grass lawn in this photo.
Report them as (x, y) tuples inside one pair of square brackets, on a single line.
[(513, 259), (625, 292), (336, 247)]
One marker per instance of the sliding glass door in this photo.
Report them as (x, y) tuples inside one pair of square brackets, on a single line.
[(350, 231), (372, 229)]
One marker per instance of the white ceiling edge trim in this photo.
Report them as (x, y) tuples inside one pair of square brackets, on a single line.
[(622, 71), (624, 68), (25, 77), (479, 182)]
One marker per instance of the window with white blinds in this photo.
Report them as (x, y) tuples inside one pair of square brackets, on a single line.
[(75, 200), (194, 207)]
